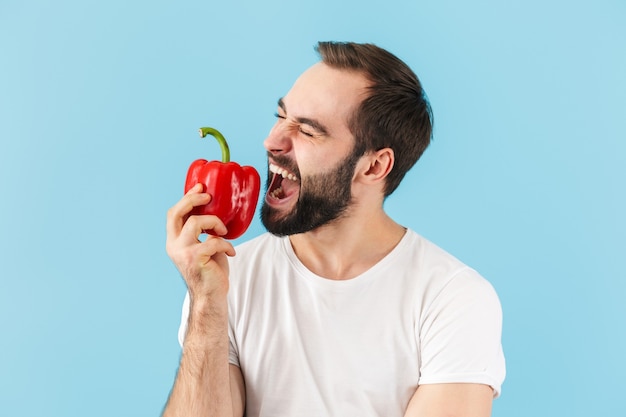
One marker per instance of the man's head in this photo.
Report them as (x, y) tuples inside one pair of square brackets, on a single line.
[(395, 114), (360, 106)]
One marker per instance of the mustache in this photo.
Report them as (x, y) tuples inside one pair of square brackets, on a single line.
[(285, 162)]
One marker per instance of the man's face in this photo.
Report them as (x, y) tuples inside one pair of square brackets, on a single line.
[(311, 151)]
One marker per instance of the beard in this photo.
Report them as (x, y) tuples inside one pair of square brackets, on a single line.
[(323, 199)]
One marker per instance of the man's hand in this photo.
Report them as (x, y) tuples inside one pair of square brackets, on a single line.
[(203, 265)]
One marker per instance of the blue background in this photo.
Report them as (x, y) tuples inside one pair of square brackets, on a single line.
[(99, 106)]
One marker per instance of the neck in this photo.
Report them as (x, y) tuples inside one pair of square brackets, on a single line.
[(348, 246)]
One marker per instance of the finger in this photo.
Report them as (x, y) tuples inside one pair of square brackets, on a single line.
[(213, 245), (197, 225), (195, 189), (178, 213)]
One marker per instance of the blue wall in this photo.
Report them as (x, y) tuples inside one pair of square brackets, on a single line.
[(99, 106)]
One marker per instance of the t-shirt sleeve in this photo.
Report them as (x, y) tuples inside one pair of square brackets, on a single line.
[(184, 316), (460, 334), (233, 352)]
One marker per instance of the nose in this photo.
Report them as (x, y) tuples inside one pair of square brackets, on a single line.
[(278, 141)]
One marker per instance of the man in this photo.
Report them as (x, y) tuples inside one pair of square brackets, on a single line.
[(339, 310)]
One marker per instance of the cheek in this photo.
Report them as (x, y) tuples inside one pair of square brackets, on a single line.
[(314, 159)]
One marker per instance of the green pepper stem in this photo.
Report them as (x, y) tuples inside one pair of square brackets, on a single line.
[(220, 139)]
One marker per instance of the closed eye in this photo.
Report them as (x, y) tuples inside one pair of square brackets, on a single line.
[(300, 129), (304, 132)]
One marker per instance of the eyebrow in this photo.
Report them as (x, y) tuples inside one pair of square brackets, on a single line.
[(320, 128)]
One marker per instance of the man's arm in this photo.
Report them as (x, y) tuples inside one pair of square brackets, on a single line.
[(451, 400), (206, 384)]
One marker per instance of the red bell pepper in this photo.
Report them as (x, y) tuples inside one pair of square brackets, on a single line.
[(234, 189)]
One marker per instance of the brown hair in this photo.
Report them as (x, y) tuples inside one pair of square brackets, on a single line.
[(395, 115)]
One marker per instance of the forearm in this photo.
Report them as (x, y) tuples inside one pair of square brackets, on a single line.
[(451, 400), (202, 386)]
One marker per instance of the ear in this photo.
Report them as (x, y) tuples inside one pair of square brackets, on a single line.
[(377, 165)]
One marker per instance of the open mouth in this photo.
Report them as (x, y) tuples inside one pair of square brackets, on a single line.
[(284, 183)]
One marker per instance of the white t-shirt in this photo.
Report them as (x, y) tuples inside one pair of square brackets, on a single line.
[(310, 346)]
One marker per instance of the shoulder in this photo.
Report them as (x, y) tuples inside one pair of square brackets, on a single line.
[(431, 255), (434, 263), (443, 276)]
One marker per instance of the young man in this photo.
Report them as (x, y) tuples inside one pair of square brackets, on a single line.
[(339, 310)]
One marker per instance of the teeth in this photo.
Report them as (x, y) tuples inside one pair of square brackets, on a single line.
[(282, 172), (277, 193)]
